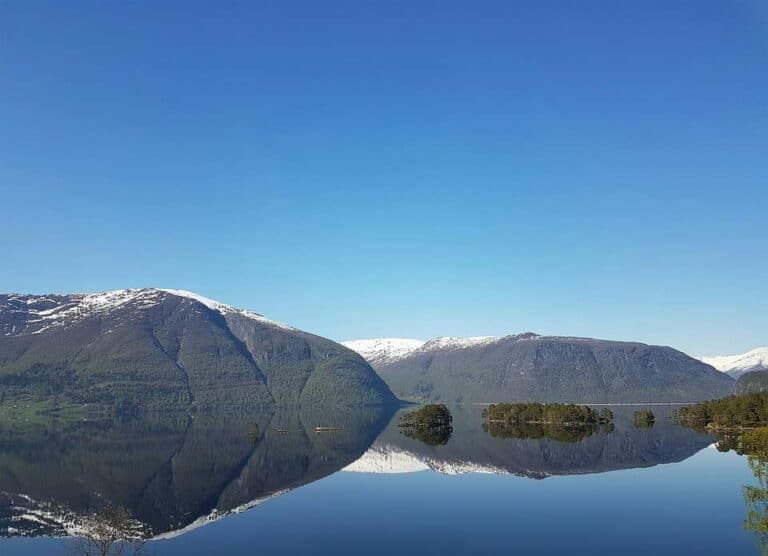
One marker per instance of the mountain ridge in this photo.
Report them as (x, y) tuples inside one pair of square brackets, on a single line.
[(531, 367), (170, 349)]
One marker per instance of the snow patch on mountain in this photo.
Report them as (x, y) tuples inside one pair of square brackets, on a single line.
[(753, 360), (226, 309), (37, 314), (388, 459), (28, 517), (379, 350), (387, 350), (216, 515), (458, 342), (31, 518), (385, 460)]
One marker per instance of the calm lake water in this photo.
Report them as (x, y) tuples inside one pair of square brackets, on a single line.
[(268, 484)]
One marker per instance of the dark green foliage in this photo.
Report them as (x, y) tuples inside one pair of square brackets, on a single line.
[(729, 417), (755, 443), (545, 413), (539, 431), (746, 411), (752, 442), (644, 419), (431, 424), (338, 379), (433, 436), (433, 415), (756, 501)]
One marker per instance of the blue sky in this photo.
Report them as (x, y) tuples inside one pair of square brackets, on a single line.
[(363, 169)]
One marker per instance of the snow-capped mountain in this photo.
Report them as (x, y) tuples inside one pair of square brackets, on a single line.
[(163, 349), (30, 314), (381, 350), (387, 350), (737, 365), (389, 459), (458, 342), (546, 368)]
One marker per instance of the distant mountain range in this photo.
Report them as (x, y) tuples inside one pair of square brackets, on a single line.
[(162, 349), (543, 368), (737, 365)]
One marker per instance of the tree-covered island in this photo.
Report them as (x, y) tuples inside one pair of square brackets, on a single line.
[(554, 421), (432, 415), (565, 415), (431, 424)]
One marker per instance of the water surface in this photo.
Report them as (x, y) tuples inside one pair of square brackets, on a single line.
[(269, 484)]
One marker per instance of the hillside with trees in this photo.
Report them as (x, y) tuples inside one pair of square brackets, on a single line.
[(152, 349), (731, 412)]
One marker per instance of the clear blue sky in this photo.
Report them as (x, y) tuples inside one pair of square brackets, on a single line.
[(415, 169)]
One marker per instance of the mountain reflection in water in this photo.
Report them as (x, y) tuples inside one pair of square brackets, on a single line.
[(174, 473), (169, 472), (537, 453)]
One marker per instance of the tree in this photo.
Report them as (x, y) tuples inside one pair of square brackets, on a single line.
[(433, 415), (526, 431), (755, 444), (731, 412), (431, 424), (546, 413), (110, 532)]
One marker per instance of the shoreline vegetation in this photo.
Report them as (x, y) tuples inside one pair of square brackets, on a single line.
[(729, 414), (739, 422)]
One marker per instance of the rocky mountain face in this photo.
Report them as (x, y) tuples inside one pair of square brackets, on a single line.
[(737, 365), (752, 382), (170, 349), (529, 367)]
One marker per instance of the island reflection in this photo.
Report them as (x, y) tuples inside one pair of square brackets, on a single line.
[(174, 473), (536, 451)]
